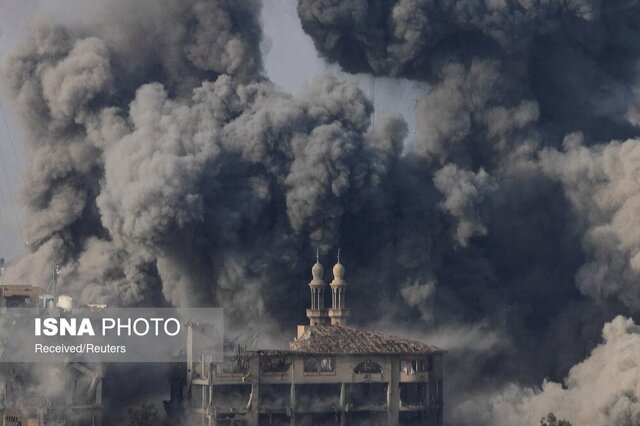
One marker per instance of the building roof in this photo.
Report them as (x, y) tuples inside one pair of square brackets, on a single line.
[(340, 339)]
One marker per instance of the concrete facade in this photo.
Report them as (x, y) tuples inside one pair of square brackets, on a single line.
[(282, 388)]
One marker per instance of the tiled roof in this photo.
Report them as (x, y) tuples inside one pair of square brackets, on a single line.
[(338, 339)]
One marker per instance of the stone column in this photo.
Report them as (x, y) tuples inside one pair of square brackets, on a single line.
[(292, 395), (253, 414), (343, 403), (393, 393)]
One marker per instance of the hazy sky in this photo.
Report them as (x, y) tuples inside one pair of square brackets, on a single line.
[(13, 15), (290, 62)]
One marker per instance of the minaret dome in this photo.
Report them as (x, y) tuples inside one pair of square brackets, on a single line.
[(317, 271), (338, 312), (338, 274), (317, 313)]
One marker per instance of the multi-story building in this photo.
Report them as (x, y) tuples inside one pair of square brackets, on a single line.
[(331, 374), (81, 402)]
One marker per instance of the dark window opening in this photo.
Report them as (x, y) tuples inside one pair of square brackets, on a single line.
[(17, 301), (274, 419), (275, 364), (275, 396), (318, 419), (318, 397), (367, 394), (435, 391), (413, 394), (412, 418)]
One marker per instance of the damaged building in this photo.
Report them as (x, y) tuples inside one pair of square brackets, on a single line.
[(331, 373), (22, 402)]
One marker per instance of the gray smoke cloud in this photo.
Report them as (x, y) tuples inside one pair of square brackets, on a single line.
[(165, 168), (474, 115), (403, 37), (198, 191), (528, 132), (463, 190), (73, 84), (602, 183), (611, 368)]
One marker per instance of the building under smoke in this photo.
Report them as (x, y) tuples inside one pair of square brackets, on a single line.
[(331, 374), (27, 397)]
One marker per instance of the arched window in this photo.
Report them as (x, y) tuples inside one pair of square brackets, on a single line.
[(368, 367)]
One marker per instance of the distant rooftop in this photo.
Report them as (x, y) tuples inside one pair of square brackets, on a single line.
[(340, 339)]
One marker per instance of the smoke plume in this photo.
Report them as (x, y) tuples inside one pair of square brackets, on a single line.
[(165, 168), (611, 369), (529, 132)]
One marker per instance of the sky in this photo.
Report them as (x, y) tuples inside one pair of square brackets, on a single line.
[(290, 61), (14, 14)]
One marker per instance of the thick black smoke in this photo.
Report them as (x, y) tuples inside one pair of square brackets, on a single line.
[(165, 168), (410, 37), (518, 131), (73, 86), (179, 175)]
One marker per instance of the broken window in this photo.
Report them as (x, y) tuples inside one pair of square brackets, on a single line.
[(232, 397), (408, 366), (413, 366), (274, 364), (326, 365), (235, 365)]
